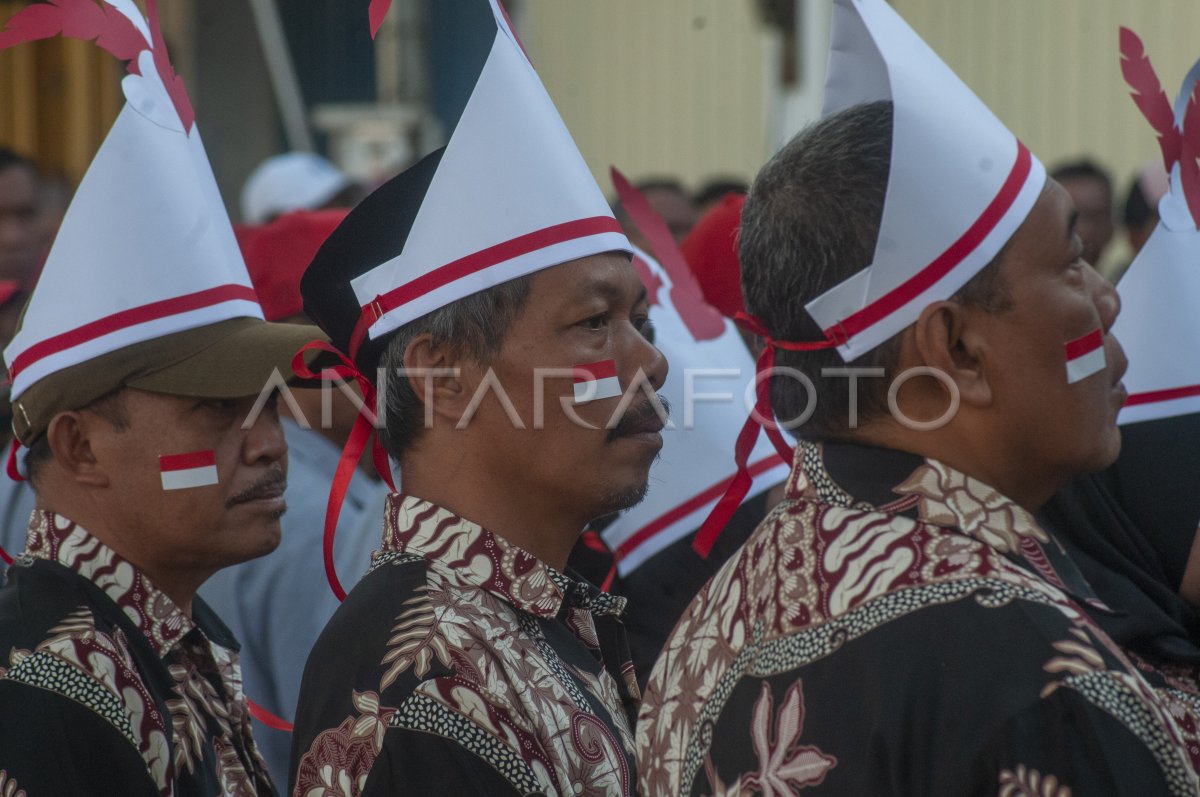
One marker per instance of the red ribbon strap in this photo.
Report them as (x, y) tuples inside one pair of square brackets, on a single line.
[(592, 539), (351, 453), (267, 718), (760, 417)]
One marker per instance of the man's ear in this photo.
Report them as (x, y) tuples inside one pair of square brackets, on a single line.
[(946, 337), (436, 374), (69, 437)]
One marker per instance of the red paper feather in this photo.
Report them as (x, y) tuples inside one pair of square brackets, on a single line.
[(1149, 96), (162, 62), (76, 19), (1189, 156), (377, 12), (700, 318), (110, 29)]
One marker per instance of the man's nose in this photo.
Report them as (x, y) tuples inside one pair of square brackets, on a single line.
[(1106, 298), (265, 441), (652, 361)]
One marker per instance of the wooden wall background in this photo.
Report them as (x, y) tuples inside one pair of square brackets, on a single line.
[(58, 99)]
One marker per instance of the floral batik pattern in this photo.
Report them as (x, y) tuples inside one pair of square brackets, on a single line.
[(88, 658), (851, 598), (489, 652)]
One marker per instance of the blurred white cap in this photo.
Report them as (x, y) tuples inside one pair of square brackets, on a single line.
[(292, 181)]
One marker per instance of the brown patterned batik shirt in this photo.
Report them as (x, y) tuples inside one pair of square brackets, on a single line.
[(897, 627), (462, 665), (107, 687)]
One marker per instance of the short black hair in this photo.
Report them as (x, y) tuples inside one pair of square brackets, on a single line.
[(11, 159), (478, 324), (1082, 168), (713, 190), (1138, 211), (810, 222)]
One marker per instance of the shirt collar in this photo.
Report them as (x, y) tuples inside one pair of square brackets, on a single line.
[(936, 494), (54, 538), (486, 561)]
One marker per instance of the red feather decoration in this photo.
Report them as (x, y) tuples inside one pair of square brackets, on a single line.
[(1189, 156), (76, 19), (110, 29), (700, 318), (162, 62), (1149, 96), (377, 12)]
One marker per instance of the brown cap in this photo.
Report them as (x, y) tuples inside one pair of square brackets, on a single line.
[(228, 359)]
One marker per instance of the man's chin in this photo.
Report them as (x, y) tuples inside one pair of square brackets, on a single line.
[(621, 500), (259, 543)]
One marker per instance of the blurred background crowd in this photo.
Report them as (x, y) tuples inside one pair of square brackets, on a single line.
[(688, 97)]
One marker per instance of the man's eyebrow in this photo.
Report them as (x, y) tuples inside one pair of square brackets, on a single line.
[(607, 289)]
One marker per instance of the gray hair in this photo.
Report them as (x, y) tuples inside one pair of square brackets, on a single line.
[(810, 222), (476, 324)]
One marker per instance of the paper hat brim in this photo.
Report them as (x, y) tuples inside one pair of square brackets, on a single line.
[(230, 359)]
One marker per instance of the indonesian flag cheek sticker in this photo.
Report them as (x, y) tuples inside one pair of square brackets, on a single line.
[(596, 381), (181, 471), (1085, 356)]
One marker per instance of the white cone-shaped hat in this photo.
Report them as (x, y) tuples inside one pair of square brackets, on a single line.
[(508, 195), (1159, 324), (146, 248), (959, 187)]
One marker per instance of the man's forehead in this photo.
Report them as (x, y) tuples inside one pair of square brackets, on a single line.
[(1047, 231), (606, 276)]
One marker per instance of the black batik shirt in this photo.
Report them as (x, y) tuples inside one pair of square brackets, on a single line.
[(108, 688), (462, 665), (897, 627)]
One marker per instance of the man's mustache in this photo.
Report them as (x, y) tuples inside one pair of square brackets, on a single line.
[(274, 482), (649, 416)]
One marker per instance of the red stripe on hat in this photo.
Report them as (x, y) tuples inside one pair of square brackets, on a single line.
[(196, 459), (927, 277), (486, 258), (688, 507), (1155, 396), (128, 318), (1084, 345), (592, 371)]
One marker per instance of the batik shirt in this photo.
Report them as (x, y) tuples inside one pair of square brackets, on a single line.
[(463, 665), (107, 687), (897, 627)]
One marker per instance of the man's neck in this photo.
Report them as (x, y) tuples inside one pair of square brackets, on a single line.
[(970, 454), (179, 586)]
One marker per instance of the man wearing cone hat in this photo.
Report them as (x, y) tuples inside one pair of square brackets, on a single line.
[(487, 294), (901, 623), (136, 375)]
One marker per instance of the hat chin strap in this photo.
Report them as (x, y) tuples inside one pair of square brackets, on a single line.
[(761, 418), (355, 445)]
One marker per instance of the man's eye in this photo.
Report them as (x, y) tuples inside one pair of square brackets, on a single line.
[(596, 322)]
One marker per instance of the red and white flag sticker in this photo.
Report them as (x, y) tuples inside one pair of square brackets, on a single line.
[(596, 381), (181, 471), (1085, 356)]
